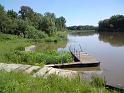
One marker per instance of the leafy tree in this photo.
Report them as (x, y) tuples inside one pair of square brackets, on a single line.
[(60, 23), (31, 32), (21, 29), (28, 23), (25, 12), (48, 25), (2, 18), (114, 23), (36, 20), (12, 14), (80, 27)]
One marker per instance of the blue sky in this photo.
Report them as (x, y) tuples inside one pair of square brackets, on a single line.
[(76, 12)]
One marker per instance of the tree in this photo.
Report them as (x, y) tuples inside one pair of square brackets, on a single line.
[(26, 19), (2, 18), (26, 12), (48, 25), (80, 27), (60, 23), (114, 23), (22, 25), (12, 14)]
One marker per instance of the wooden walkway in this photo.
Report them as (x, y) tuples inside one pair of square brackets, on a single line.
[(83, 59), (80, 60)]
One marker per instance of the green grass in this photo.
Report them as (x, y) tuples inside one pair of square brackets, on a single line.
[(57, 36), (38, 58), (12, 51), (10, 43), (17, 82)]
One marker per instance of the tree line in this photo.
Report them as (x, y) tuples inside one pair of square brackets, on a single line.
[(30, 24), (80, 27), (114, 23)]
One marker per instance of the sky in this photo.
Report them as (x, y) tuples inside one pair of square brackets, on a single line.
[(76, 12)]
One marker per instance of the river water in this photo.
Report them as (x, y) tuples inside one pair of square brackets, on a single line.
[(108, 48)]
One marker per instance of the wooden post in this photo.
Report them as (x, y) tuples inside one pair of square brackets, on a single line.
[(79, 54)]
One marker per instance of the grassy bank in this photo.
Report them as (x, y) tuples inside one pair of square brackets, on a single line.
[(12, 50), (14, 82), (10, 43), (38, 58)]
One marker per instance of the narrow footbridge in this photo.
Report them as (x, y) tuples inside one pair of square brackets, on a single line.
[(84, 59)]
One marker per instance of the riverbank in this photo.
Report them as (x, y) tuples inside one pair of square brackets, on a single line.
[(47, 80), (13, 51)]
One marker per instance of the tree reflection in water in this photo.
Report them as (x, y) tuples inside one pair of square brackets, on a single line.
[(113, 38)]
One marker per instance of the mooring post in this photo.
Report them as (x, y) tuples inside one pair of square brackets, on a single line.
[(79, 54), (74, 51), (80, 48), (62, 61), (62, 57)]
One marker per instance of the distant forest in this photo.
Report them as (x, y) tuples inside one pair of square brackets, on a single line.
[(114, 23), (30, 24), (80, 27)]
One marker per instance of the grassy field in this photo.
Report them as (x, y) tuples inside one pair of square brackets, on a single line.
[(14, 82)]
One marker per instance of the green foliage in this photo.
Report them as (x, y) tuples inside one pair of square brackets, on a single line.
[(30, 24), (80, 27), (33, 33), (18, 82), (48, 25), (26, 12), (57, 36), (11, 47), (97, 82), (10, 43), (51, 39), (12, 14), (37, 58), (114, 23), (60, 23)]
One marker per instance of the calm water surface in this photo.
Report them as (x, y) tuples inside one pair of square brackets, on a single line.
[(108, 48)]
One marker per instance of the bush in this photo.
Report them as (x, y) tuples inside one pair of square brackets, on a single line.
[(37, 58), (33, 33), (51, 39)]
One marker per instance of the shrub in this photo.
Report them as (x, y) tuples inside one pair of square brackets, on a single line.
[(33, 33), (37, 58), (51, 39)]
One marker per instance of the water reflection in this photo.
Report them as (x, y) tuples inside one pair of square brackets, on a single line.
[(81, 69), (114, 38), (108, 48), (50, 46), (79, 33), (110, 55)]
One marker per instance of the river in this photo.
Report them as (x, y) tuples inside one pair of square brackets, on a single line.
[(108, 48)]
